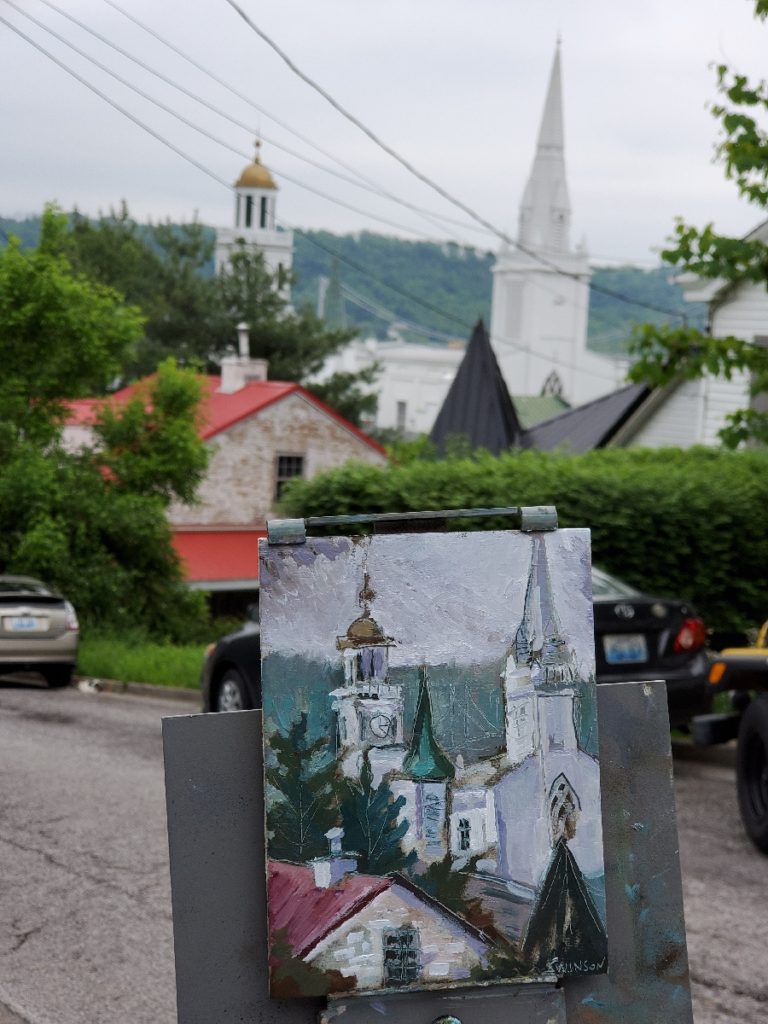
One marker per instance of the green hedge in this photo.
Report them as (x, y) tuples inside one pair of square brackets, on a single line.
[(681, 523)]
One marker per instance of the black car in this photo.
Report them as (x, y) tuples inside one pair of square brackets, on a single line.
[(637, 636), (231, 676)]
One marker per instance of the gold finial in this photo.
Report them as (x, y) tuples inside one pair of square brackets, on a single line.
[(257, 144), (367, 594)]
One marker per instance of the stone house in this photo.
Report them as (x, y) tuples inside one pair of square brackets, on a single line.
[(381, 931), (261, 434)]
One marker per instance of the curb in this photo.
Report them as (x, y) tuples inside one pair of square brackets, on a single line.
[(86, 684), (721, 753)]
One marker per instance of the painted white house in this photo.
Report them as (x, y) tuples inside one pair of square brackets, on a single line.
[(686, 413)]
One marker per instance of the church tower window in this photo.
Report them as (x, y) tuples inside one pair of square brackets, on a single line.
[(263, 212), (464, 833), (248, 211), (564, 809)]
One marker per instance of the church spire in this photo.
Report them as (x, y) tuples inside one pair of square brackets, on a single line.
[(425, 761), (539, 641), (545, 210)]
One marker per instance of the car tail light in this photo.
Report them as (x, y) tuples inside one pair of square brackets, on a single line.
[(72, 622), (691, 636)]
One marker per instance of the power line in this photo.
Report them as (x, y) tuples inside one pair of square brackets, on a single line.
[(334, 253), (458, 203), (203, 131), (363, 182)]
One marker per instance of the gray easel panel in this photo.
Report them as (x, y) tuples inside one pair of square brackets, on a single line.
[(213, 768)]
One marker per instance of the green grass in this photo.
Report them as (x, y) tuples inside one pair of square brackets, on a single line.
[(134, 659)]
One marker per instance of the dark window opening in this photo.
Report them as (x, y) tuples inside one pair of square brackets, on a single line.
[(464, 831), (401, 955), (288, 467), (248, 211), (263, 212)]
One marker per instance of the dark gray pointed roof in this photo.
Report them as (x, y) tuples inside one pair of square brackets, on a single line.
[(477, 406), (588, 426)]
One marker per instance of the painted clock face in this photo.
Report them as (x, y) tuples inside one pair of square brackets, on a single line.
[(381, 725)]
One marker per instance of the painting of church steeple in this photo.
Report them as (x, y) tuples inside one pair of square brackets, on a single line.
[(423, 781), (539, 642), (369, 708)]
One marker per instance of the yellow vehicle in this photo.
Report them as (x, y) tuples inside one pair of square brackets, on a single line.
[(743, 672)]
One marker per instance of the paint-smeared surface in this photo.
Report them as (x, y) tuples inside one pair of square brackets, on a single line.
[(429, 718), (215, 818)]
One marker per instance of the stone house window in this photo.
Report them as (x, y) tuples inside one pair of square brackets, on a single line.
[(288, 467), (401, 955)]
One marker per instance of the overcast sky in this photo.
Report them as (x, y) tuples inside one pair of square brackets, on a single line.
[(456, 86)]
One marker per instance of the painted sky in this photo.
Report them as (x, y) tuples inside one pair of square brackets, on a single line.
[(456, 86), (442, 597)]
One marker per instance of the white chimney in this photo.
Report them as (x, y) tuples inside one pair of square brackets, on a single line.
[(239, 370), (330, 870)]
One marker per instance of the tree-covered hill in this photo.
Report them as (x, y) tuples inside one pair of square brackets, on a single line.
[(371, 281)]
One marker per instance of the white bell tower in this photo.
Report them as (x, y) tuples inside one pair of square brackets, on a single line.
[(255, 222)]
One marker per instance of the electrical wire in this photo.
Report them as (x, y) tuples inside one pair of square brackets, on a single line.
[(209, 135), (449, 197), (364, 183), (334, 253)]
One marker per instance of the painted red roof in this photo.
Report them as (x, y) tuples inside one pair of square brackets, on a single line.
[(307, 913), (218, 555), (220, 410)]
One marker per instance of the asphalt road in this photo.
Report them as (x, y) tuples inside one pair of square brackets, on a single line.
[(85, 921)]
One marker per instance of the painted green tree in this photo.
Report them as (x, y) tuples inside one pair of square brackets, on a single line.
[(369, 815), (665, 354), (301, 805)]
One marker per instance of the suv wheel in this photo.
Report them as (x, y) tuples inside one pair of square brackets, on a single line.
[(752, 771), (231, 694)]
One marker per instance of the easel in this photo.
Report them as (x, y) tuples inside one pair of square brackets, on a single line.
[(214, 789)]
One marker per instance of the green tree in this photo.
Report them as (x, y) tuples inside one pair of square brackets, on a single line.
[(369, 815), (89, 522), (668, 353), (150, 445), (302, 806), (61, 336)]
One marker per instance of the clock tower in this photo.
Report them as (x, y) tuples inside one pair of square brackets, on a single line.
[(369, 708)]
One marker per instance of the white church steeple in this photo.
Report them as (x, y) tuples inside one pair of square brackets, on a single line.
[(545, 209), (541, 286)]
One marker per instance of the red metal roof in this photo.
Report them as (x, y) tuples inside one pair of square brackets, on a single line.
[(218, 555), (220, 410), (307, 913)]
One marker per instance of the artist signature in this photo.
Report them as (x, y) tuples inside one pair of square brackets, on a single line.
[(557, 966)]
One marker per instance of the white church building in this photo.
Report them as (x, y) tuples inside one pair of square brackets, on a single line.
[(539, 307)]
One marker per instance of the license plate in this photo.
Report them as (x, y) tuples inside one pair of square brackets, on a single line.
[(26, 624), (627, 649)]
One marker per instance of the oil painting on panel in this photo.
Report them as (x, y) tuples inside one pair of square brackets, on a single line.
[(432, 782)]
